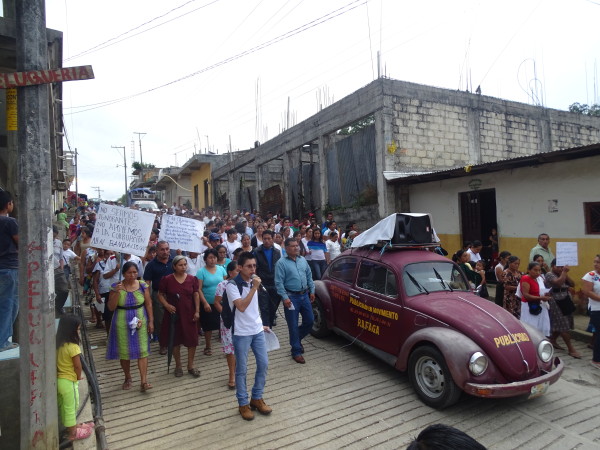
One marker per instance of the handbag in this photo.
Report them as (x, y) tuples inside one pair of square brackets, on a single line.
[(566, 305), (534, 308)]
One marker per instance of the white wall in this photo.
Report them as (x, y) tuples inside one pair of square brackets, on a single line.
[(521, 198)]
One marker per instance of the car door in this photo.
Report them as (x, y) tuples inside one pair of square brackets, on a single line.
[(377, 308), (340, 278)]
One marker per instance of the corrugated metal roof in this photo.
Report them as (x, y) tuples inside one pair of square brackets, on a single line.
[(495, 166)]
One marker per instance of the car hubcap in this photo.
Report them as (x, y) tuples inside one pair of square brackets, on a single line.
[(430, 377), (317, 318)]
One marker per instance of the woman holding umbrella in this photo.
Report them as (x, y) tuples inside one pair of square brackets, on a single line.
[(178, 293)]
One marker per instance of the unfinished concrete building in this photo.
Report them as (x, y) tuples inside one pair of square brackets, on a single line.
[(343, 157)]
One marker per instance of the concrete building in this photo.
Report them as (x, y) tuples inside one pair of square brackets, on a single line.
[(198, 170), (553, 193), (346, 155)]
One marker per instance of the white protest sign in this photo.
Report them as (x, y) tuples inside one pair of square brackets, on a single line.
[(122, 229), (566, 254), (182, 233)]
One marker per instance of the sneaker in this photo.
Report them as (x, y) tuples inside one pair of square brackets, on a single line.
[(246, 412), (260, 405)]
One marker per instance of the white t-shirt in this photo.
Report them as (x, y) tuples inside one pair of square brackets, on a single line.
[(231, 247), (194, 265), (247, 323), (305, 242), (57, 254), (594, 277), (496, 270), (68, 255), (474, 256), (333, 248)]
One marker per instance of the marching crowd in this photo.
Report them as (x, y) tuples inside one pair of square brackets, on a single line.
[(247, 267)]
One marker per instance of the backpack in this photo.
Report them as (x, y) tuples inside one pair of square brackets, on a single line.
[(227, 314)]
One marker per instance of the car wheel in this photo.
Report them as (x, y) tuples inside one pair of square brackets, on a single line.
[(319, 328), (431, 378)]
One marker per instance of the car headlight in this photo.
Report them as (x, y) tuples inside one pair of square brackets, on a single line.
[(545, 351), (478, 363)]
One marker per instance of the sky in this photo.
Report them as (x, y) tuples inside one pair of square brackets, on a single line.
[(194, 75)]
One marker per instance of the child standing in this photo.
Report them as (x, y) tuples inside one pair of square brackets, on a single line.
[(226, 339), (68, 372)]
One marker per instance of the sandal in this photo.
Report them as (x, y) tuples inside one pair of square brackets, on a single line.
[(86, 425), (127, 384), (208, 351), (194, 372), (231, 385), (575, 355), (81, 433), (178, 372), (145, 386)]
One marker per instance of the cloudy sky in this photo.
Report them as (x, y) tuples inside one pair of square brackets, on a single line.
[(195, 74)]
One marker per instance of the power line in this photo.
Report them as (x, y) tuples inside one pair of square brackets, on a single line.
[(110, 42), (329, 16)]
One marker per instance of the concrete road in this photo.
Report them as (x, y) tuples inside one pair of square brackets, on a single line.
[(341, 398)]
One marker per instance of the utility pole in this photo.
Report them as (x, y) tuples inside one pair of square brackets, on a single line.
[(207, 144), (125, 167), (76, 183), (141, 159), (97, 188), (37, 362)]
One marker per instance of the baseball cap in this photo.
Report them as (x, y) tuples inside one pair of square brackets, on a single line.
[(214, 237)]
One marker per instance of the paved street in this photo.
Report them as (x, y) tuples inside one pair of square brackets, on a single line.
[(341, 398)]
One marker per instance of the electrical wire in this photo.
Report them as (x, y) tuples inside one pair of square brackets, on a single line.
[(323, 19), (116, 40)]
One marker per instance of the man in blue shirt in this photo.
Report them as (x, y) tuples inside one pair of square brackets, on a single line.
[(159, 267), (294, 283)]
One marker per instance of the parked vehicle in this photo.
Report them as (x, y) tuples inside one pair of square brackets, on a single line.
[(415, 310)]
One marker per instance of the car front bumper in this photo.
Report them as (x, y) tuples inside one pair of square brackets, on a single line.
[(534, 387)]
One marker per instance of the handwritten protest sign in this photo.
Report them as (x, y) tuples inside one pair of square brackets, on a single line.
[(566, 254), (182, 233), (122, 229)]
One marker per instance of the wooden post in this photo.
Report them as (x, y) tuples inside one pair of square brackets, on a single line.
[(39, 421)]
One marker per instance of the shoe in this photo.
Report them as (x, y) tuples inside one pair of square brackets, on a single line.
[(145, 387), (162, 351), (246, 412), (231, 385), (208, 351), (178, 372), (260, 405), (10, 346), (299, 359), (194, 372), (81, 433), (302, 348), (127, 384), (575, 355)]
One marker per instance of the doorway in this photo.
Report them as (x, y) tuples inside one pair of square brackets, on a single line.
[(478, 217)]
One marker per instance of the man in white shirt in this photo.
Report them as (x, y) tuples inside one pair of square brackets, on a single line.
[(248, 333), (232, 243)]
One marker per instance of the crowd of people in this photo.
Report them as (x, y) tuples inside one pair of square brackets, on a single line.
[(175, 297), (248, 265), (543, 295)]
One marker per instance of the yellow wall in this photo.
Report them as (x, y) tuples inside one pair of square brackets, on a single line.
[(587, 250), (197, 177)]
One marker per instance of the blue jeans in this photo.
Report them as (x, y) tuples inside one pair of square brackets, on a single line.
[(241, 346), (9, 303), (302, 307), (595, 320), (317, 268)]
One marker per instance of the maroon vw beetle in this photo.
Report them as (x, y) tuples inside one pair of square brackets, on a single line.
[(415, 310)]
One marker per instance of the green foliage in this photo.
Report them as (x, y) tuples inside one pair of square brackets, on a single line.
[(357, 126), (123, 199), (586, 110), (137, 165)]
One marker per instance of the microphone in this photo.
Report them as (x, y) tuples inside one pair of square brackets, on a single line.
[(262, 288)]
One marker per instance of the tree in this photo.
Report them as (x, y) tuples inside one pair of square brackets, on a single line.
[(137, 166), (586, 110), (357, 126)]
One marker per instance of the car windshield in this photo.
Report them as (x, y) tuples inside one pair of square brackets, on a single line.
[(426, 277)]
